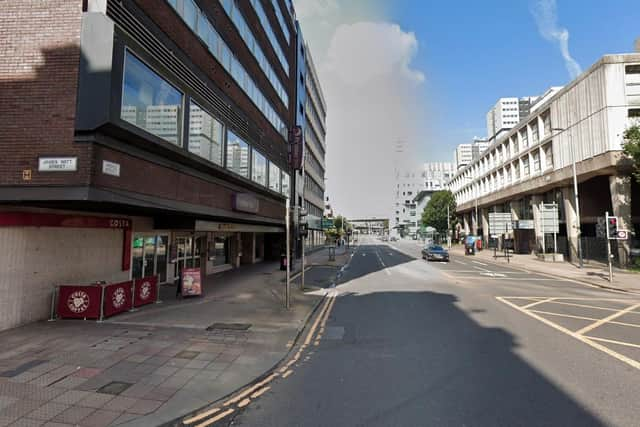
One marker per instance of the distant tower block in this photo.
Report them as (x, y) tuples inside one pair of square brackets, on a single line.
[(637, 45)]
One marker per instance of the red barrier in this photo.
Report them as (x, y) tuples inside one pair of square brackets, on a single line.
[(79, 302), (146, 291), (117, 298)]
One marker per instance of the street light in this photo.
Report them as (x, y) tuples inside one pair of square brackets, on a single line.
[(575, 192)]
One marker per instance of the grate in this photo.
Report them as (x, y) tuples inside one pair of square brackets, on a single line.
[(114, 387), (187, 354)]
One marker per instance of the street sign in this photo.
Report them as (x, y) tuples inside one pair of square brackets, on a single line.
[(622, 235), (549, 218), (327, 223), (500, 222)]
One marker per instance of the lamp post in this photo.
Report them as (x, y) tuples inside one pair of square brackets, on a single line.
[(575, 192)]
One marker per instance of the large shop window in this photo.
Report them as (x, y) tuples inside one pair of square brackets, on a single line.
[(237, 155), (259, 168), (285, 184), (150, 102), (205, 135), (221, 251), (274, 177)]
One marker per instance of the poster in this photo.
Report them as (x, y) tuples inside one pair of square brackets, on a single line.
[(191, 284)]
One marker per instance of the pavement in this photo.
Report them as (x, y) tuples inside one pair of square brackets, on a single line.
[(154, 365), (593, 273), (407, 342)]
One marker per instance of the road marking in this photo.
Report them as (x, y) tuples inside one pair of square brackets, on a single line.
[(571, 316), (585, 306), (286, 374), (459, 262), (627, 344), (218, 417), (260, 392), (607, 319), (479, 263), (538, 302), (582, 338), (250, 390), (201, 416), (492, 274), (244, 403)]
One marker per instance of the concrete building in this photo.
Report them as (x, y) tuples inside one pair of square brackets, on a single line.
[(140, 138), (532, 163), (506, 113), (466, 153), (409, 183)]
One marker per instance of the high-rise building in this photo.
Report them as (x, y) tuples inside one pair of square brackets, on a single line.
[(507, 113), (150, 136), (466, 153)]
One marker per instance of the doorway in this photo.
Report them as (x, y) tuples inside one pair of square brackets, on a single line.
[(149, 256)]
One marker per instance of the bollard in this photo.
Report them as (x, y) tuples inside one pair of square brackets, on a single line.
[(53, 316), (158, 301), (133, 296), (101, 304)]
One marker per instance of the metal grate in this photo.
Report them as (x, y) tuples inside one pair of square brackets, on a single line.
[(229, 326)]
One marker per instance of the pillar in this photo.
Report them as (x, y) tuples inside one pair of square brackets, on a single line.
[(484, 216), (514, 213), (537, 223), (571, 220), (474, 223), (465, 219), (620, 188)]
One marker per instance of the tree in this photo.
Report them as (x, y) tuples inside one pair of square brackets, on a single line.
[(435, 213), (631, 148), (340, 223)]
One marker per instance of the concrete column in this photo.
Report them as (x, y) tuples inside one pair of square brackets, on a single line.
[(465, 219), (620, 188), (514, 213), (474, 223), (571, 219), (484, 215), (535, 201)]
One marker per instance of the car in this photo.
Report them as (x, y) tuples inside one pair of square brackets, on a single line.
[(393, 238), (435, 253)]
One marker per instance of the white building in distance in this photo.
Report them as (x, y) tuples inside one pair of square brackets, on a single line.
[(466, 153)]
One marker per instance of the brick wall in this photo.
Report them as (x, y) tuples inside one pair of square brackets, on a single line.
[(39, 57)]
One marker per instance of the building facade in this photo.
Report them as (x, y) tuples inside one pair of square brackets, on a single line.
[(532, 163), (466, 153), (139, 138), (411, 186), (506, 113)]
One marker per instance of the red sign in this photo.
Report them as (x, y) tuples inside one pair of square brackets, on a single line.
[(79, 302), (117, 298), (191, 284), (25, 219), (146, 290)]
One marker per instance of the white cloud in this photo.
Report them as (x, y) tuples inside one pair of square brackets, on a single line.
[(315, 8), (371, 90), (546, 16)]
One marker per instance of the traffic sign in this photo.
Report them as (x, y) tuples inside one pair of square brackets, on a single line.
[(622, 235), (327, 223)]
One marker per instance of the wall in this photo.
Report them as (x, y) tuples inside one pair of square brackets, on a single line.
[(35, 258)]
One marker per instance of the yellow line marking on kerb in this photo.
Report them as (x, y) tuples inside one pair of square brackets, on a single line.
[(218, 417), (244, 403), (201, 416), (250, 390), (607, 319), (260, 392), (286, 374), (582, 338)]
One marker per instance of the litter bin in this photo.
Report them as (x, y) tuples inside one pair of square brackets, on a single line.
[(283, 262)]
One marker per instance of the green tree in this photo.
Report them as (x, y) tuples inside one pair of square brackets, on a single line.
[(435, 213), (631, 148), (340, 224)]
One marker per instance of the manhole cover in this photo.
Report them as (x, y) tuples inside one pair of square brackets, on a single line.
[(187, 354), (230, 326), (115, 387)]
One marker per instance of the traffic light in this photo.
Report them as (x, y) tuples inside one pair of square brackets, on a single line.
[(303, 230), (303, 227), (612, 227)]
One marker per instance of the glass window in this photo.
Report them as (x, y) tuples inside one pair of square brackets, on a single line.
[(536, 161), (190, 14), (237, 155), (525, 165), (285, 184), (174, 4), (258, 168), (150, 102), (221, 251), (203, 27), (205, 134), (548, 156), (274, 177)]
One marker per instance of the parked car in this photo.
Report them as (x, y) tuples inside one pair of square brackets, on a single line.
[(435, 253)]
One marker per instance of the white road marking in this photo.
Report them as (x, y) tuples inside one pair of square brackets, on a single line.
[(480, 263), (492, 274), (459, 262), (607, 319), (582, 338)]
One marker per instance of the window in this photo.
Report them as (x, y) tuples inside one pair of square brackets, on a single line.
[(221, 251), (524, 137), (190, 14), (525, 165), (516, 170), (548, 156), (274, 178), (534, 132), (634, 112), (150, 102), (632, 69), (536, 161), (285, 184), (205, 135), (237, 155), (258, 168)]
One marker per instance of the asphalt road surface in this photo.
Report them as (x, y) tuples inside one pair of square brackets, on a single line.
[(408, 342)]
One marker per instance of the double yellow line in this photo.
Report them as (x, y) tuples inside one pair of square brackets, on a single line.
[(243, 398)]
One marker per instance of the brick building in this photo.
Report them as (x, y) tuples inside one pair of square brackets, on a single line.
[(140, 137)]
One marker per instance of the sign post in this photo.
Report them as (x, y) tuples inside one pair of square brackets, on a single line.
[(499, 222), (549, 224), (288, 276), (612, 233)]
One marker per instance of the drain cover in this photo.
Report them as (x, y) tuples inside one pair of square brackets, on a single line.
[(186, 354), (230, 326), (114, 387)]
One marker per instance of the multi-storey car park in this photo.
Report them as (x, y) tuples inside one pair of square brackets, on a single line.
[(141, 137), (533, 163)]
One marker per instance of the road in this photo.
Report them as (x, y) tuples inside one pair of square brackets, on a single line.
[(405, 342)]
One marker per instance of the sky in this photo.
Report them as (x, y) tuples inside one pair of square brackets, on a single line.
[(426, 73)]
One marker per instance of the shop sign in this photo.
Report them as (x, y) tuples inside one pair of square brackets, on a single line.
[(110, 168), (79, 302), (191, 283), (117, 298), (145, 290), (245, 202), (57, 164)]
